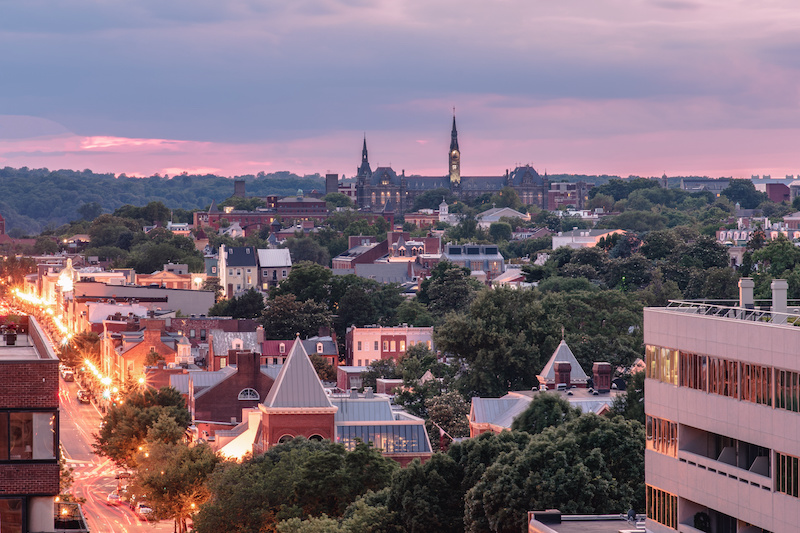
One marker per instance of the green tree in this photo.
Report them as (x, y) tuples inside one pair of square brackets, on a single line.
[(631, 404), (125, 426), (337, 199), (284, 317), (546, 410), (171, 474), (307, 249), (448, 288), (90, 211), (414, 313), (307, 281), (298, 479), (743, 192), (500, 231), (249, 304)]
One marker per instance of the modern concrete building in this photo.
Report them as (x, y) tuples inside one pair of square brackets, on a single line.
[(723, 415)]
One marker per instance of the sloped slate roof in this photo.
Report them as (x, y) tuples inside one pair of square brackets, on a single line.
[(297, 384), (240, 256), (223, 340), (563, 353)]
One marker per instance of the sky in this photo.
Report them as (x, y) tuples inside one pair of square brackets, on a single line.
[(234, 87)]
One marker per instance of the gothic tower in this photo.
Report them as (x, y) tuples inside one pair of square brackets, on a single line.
[(454, 158), (363, 175)]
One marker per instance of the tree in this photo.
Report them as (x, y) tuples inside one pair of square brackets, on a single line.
[(249, 304), (337, 199), (307, 249), (428, 497), (743, 192), (414, 313), (602, 456), (500, 231), (631, 404), (45, 245), (298, 479), (284, 317), (448, 288), (90, 211), (153, 357), (307, 281), (125, 426), (450, 412), (546, 410)]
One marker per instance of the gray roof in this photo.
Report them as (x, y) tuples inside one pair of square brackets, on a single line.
[(362, 410), (240, 256), (200, 378), (384, 272), (328, 345), (297, 384), (563, 353), (272, 258), (223, 340), (498, 411)]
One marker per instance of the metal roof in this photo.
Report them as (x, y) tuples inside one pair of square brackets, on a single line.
[(297, 384), (362, 410), (271, 258), (563, 353)]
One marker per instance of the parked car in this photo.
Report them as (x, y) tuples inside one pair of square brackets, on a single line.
[(84, 396)]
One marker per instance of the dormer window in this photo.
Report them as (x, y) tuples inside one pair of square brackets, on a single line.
[(282, 348), (319, 347)]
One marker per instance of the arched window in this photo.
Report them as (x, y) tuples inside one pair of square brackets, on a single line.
[(285, 438), (282, 348), (317, 438), (249, 394)]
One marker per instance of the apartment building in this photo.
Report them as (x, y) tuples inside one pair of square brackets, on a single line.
[(372, 343), (29, 432), (723, 415)]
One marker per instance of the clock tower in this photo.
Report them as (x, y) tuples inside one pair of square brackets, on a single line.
[(454, 158)]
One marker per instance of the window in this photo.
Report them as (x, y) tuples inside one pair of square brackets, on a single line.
[(274, 275), (230, 272), (428, 343), (359, 362), (283, 273), (223, 362), (788, 471), (249, 394), (402, 346), (282, 348), (249, 271), (662, 364), (376, 346), (191, 333), (11, 514), (693, 371), (787, 390), (213, 270), (662, 436), (385, 346), (202, 334), (28, 436), (662, 507), (265, 273), (358, 346), (319, 347)]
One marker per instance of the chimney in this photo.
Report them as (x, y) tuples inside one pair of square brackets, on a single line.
[(368, 394), (779, 289), (563, 370), (260, 335), (746, 293), (601, 375), (353, 393)]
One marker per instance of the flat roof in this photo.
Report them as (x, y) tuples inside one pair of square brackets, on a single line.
[(23, 350), (592, 524)]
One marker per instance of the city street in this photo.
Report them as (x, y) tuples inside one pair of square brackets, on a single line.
[(94, 476)]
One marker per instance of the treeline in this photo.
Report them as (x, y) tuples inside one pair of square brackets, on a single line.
[(34, 199)]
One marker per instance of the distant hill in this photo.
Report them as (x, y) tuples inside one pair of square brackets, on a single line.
[(32, 199)]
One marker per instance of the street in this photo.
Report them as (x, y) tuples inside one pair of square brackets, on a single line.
[(94, 476)]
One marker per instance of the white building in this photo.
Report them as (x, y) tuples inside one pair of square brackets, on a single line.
[(723, 410)]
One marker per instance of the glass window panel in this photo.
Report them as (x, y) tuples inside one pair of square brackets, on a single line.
[(4, 436), (44, 436), (21, 435)]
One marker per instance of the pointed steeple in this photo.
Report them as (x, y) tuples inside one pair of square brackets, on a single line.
[(364, 171), (297, 384), (454, 134), (364, 158)]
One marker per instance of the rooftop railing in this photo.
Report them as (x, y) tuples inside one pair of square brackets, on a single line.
[(731, 309)]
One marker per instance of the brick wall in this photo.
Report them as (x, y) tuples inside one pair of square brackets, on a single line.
[(29, 384), (26, 478)]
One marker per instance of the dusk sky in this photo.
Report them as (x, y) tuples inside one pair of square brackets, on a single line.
[(708, 87)]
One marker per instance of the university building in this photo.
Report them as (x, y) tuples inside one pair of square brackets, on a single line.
[(722, 403), (383, 190)]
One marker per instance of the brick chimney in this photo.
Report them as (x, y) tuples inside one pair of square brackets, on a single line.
[(247, 364), (563, 371), (601, 375), (260, 335)]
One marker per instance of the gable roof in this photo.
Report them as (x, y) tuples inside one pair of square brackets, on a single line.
[(239, 256), (297, 384), (563, 353)]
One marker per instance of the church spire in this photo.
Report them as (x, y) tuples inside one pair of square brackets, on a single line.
[(364, 158), (454, 134), (454, 157)]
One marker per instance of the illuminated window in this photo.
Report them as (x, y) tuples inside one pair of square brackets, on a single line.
[(662, 436), (402, 346), (662, 507)]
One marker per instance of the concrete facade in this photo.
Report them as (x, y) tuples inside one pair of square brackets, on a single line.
[(722, 401)]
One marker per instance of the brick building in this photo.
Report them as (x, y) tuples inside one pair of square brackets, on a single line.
[(363, 345), (29, 432)]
